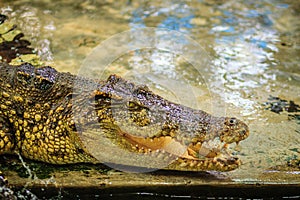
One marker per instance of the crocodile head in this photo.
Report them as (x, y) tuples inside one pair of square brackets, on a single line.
[(140, 121)]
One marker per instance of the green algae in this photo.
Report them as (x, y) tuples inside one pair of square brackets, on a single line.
[(33, 59)]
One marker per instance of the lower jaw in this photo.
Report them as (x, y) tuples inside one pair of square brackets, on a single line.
[(207, 164)]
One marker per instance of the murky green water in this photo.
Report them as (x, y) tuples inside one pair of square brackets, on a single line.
[(254, 49)]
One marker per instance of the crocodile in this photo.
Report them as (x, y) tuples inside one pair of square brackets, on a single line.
[(43, 118)]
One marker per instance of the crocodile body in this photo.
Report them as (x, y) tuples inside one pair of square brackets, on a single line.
[(44, 116)]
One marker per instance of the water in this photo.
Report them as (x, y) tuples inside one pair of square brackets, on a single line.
[(253, 47)]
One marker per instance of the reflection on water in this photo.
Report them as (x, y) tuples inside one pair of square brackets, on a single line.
[(245, 45), (173, 15), (254, 46)]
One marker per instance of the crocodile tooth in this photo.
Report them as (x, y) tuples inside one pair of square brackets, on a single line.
[(210, 165), (141, 150), (200, 163), (183, 164), (167, 158), (219, 165), (205, 163), (160, 156), (193, 163)]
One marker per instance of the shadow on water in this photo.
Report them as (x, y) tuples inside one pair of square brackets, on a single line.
[(165, 192)]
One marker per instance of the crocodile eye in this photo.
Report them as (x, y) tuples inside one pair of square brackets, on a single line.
[(43, 84), (45, 78), (242, 132), (132, 105)]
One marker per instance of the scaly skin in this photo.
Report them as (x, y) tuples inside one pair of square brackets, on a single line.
[(43, 116)]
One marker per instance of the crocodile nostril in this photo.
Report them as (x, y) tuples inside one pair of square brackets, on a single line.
[(232, 121), (243, 132)]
